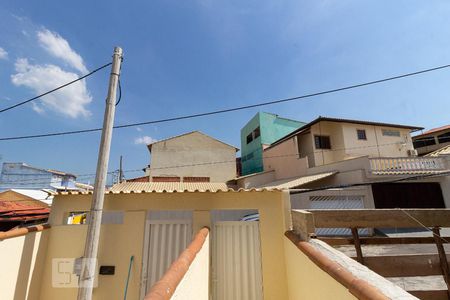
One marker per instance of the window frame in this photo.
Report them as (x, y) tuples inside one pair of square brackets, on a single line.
[(321, 145), (443, 138), (391, 133), (256, 133), (358, 131), (249, 138), (424, 142)]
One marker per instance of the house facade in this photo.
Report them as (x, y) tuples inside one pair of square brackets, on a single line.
[(191, 157), (262, 130), (432, 140), (330, 152), (23, 176)]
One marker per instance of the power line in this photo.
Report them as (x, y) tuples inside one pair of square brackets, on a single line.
[(91, 175), (228, 109), (54, 90)]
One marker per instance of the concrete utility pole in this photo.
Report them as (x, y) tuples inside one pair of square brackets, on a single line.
[(88, 270)]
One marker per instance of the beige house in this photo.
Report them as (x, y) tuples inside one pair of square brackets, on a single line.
[(330, 152), (432, 140), (191, 157)]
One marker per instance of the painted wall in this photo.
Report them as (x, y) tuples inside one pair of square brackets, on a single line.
[(120, 241), (307, 281), (22, 260), (200, 152), (255, 180), (284, 157), (21, 176), (195, 283), (272, 128), (345, 144), (285, 160)]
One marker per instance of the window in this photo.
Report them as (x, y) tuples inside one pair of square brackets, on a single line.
[(253, 135), (388, 132), (322, 142), (361, 133), (423, 142), (249, 138), (444, 138), (256, 133)]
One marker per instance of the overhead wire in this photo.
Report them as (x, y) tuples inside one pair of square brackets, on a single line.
[(91, 175), (421, 224), (220, 111), (55, 89)]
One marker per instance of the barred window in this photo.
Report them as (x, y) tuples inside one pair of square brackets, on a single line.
[(322, 142), (361, 133)]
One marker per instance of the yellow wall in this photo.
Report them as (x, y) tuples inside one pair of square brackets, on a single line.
[(285, 160), (21, 260), (120, 241), (307, 281), (195, 283)]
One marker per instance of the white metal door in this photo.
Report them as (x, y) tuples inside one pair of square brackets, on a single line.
[(236, 261), (164, 242), (337, 202)]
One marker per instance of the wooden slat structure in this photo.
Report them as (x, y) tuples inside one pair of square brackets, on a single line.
[(305, 223), (381, 218)]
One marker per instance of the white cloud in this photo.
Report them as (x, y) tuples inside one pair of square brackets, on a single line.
[(57, 46), (144, 140), (3, 53), (139, 129), (70, 101)]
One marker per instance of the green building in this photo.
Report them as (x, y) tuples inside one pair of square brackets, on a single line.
[(262, 129)]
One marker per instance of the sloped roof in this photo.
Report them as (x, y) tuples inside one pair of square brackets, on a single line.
[(442, 151), (56, 172), (293, 182), (169, 187), (18, 207), (149, 146), (434, 130), (339, 120), (33, 198)]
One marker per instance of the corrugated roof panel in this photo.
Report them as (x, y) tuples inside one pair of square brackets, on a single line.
[(139, 189), (169, 187), (442, 151), (296, 181)]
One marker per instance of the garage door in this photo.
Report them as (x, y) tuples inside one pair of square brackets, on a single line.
[(408, 195), (337, 202)]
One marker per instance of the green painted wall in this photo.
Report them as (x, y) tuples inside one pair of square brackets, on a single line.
[(272, 128)]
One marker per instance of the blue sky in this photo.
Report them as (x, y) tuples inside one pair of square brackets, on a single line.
[(184, 57)]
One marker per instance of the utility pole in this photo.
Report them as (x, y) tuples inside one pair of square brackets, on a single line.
[(86, 281), (120, 170)]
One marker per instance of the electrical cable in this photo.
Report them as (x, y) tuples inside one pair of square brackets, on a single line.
[(120, 92), (228, 109), (55, 89), (92, 175)]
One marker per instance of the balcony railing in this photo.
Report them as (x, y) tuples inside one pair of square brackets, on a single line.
[(414, 164)]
